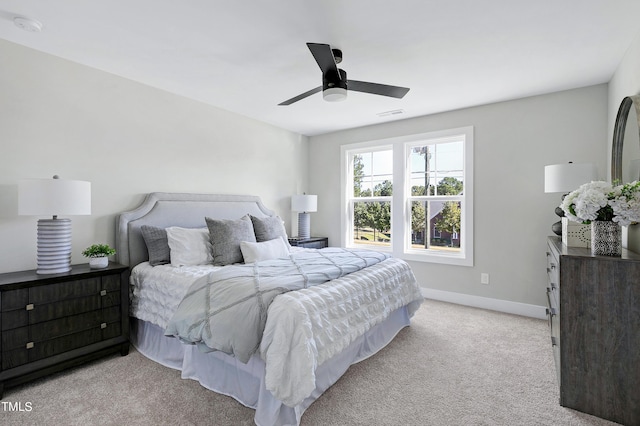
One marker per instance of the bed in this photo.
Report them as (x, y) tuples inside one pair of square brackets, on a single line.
[(309, 336)]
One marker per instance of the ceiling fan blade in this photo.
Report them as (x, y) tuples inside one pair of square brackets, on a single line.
[(324, 57), (377, 89), (302, 96)]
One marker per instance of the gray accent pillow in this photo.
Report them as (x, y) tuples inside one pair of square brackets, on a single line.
[(226, 236), (269, 228), (157, 245)]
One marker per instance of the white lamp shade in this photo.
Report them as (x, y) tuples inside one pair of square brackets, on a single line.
[(53, 197), (304, 203), (567, 177)]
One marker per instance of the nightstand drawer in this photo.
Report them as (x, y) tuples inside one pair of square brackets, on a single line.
[(19, 337), (49, 311), (39, 350), (64, 291), (315, 245)]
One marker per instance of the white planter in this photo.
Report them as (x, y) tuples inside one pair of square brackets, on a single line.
[(98, 262), (575, 234)]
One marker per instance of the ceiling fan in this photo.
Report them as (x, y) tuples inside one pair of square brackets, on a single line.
[(334, 80)]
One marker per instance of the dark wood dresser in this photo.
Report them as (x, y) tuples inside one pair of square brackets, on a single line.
[(56, 321), (594, 316), (312, 242)]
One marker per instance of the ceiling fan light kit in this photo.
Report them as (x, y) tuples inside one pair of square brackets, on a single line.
[(334, 79), (335, 94)]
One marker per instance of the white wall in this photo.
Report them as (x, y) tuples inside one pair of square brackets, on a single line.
[(513, 142), (127, 139), (625, 82)]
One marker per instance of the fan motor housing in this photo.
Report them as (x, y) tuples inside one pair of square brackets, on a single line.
[(331, 81), (334, 89)]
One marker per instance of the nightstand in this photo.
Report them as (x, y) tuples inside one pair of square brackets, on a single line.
[(52, 322), (312, 242)]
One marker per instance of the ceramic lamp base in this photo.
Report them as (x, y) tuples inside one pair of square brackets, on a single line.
[(304, 225), (54, 246)]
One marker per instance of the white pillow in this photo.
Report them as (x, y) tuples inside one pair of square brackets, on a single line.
[(266, 250), (189, 246)]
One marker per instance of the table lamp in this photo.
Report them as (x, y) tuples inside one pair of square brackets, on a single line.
[(303, 204), (566, 178), (53, 197)]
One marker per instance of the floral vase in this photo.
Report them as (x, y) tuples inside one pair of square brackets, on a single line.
[(606, 238)]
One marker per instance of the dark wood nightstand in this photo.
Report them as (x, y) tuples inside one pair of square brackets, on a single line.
[(312, 242), (52, 322)]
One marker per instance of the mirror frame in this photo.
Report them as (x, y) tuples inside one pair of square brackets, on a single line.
[(618, 134)]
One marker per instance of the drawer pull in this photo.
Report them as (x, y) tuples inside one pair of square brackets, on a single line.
[(29, 307), (103, 292), (103, 325), (30, 345)]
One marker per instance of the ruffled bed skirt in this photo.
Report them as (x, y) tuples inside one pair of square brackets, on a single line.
[(245, 382)]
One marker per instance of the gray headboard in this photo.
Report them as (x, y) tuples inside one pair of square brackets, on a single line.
[(165, 209)]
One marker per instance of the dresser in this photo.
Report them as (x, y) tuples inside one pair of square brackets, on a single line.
[(312, 242), (56, 321), (594, 319)]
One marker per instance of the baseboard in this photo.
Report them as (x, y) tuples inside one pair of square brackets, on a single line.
[(516, 308)]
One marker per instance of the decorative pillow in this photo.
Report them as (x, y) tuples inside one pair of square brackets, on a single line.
[(268, 228), (266, 250), (157, 244), (189, 246), (226, 236)]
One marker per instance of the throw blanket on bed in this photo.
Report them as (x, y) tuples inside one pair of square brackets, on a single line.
[(227, 310)]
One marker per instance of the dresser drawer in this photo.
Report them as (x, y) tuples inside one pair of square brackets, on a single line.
[(553, 270)]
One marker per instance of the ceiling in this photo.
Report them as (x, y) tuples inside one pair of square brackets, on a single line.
[(247, 58)]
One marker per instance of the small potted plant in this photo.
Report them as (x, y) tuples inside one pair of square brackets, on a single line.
[(98, 255)]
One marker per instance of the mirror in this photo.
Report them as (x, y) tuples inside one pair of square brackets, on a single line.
[(625, 154)]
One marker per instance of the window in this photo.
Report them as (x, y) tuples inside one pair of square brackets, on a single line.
[(411, 196), (371, 177)]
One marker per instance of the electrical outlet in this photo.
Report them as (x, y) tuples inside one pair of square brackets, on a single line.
[(484, 278)]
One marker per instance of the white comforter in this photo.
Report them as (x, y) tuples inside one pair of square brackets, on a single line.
[(305, 327)]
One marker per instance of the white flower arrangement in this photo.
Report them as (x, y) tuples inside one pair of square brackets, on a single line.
[(600, 200)]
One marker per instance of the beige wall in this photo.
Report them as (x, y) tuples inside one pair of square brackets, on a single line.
[(625, 82), (513, 141), (127, 139)]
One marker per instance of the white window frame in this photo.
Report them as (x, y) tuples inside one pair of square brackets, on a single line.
[(348, 199), (400, 202)]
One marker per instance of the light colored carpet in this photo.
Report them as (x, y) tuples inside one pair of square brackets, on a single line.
[(455, 365)]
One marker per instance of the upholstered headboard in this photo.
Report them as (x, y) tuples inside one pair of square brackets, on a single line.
[(163, 209)]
